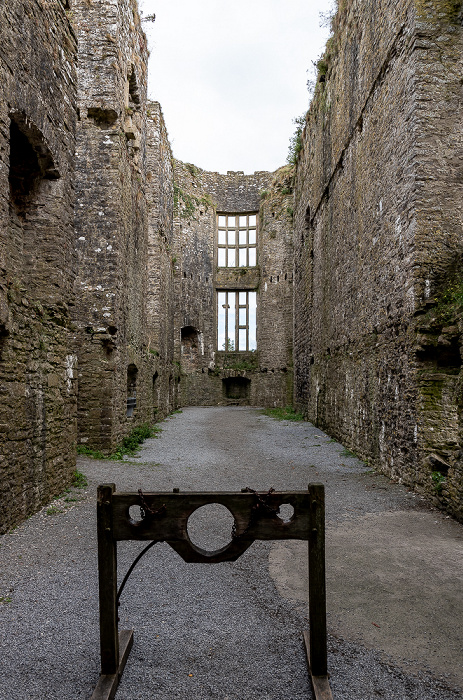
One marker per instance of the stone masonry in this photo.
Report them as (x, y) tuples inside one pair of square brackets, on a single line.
[(378, 243), (164, 376), (116, 302), (37, 260), (115, 311), (210, 373)]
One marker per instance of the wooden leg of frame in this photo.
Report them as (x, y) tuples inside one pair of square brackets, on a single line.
[(320, 685), (107, 684)]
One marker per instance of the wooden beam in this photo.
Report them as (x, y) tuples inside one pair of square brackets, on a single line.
[(107, 580), (320, 684), (317, 587), (107, 683), (173, 510)]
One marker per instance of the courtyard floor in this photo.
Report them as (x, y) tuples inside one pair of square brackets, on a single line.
[(233, 630)]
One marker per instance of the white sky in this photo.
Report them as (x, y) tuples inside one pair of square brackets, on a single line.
[(231, 76)]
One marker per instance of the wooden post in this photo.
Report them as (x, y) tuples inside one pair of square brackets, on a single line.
[(317, 587), (107, 574)]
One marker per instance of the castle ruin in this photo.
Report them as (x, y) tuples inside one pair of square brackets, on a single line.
[(132, 283)]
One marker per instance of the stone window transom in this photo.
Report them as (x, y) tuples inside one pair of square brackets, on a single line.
[(236, 321), (237, 240)]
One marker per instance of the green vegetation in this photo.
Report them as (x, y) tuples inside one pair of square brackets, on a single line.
[(6, 599), (89, 452), (347, 453), (186, 205), (440, 10), (295, 142), (79, 480), (129, 445), (192, 169), (53, 510), (287, 413), (241, 363), (438, 481), (449, 304)]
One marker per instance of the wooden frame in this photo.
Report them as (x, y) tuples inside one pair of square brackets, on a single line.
[(165, 519), (232, 299), (235, 226)]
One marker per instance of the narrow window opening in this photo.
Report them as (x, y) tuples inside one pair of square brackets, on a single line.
[(25, 172), (134, 93), (190, 347), (132, 372)]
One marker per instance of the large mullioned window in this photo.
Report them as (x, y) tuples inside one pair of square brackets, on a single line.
[(236, 320), (237, 240)]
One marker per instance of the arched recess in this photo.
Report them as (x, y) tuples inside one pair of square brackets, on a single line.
[(36, 219), (236, 389), (190, 348)]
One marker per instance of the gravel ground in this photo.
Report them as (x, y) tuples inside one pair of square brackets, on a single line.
[(228, 631)]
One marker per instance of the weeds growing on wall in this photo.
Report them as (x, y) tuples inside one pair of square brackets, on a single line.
[(449, 304), (295, 142), (438, 481), (186, 205)]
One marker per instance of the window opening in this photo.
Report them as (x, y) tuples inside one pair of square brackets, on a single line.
[(237, 240), (237, 321), (132, 372), (134, 93)]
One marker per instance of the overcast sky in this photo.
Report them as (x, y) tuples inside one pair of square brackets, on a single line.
[(231, 76)]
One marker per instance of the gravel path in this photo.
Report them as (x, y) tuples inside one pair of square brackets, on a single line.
[(233, 631)]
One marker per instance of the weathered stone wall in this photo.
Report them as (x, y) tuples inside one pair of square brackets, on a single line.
[(37, 262), (111, 223), (161, 262), (378, 242), (199, 196)]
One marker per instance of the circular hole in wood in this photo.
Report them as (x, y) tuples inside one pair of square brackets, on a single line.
[(210, 527), (135, 514), (286, 512)]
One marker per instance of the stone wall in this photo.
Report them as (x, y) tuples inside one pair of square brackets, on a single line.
[(211, 375), (160, 292), (37, 262), (116, 367), (378, 242)]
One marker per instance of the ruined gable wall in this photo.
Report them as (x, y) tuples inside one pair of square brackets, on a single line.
[(199, 195), (37, 264), (376, 209), (111, 222)]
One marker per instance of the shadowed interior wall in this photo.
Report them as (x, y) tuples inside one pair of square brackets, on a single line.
[(37, 263)]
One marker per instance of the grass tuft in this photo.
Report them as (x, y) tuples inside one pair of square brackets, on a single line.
[(79, 480), (287, 413)]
